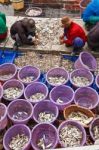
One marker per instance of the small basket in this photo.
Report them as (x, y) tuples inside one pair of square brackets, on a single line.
[(36, 8), (18, 4), (75, 108)]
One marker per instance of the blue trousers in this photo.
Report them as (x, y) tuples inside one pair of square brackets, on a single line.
[(78, 43)]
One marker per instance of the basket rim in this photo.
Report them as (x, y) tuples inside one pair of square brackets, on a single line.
[(78, 107), (38, 8), (76, 70)]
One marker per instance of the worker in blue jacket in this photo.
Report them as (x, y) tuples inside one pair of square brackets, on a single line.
[(91, 14)]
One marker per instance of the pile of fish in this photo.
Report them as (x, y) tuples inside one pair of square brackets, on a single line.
[(46, 117), (70, 136), (18, 142), (12, 93), (37, 97)]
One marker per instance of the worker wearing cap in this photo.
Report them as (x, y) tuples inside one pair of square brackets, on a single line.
[(3, 27), (73, 34), (91, 14), (23, 32)]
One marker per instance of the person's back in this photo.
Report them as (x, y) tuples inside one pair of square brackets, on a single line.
[(3, 27), (23, 32), (93, 38), (16, 28), (91, 14)]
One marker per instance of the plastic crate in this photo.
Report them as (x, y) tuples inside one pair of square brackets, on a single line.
[(7, 56), (71, 58)]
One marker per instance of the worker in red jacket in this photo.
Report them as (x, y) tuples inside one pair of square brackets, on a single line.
[(73, 35)]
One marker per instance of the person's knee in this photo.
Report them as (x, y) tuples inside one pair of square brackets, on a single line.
[(78, 42)]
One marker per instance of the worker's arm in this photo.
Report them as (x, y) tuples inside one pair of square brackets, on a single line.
[(69, 41), (25, 39)]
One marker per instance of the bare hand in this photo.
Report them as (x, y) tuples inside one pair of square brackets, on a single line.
[(61, 37), (61, 41), (36, 42)]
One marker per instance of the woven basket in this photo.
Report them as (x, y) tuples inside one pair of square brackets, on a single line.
[(74, 108), (18, 4), (4, 1)]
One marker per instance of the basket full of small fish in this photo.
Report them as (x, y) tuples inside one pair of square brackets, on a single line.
[(34, 116)]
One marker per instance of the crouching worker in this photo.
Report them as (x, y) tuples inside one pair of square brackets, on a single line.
[(73, 34), (93, 38), (3, 27), (24, 32), (91, 14)]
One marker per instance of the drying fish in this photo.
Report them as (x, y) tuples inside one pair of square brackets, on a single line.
[(80, 81), (33, 12), (6, 76), (44, 62), (59, 101), (46, 117), (20, 115), (42, 143), (81, 117), (96, 142), (37, 97), (57, 80), (12, 92), (28, 79), (68, 65), (96, 132), (18, 142), (70, 136)]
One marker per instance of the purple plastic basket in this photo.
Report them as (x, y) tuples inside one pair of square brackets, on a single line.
[(13, 83), (86, 97), (45, 106), (64, 92), (94, 123), (29, 71), (76, 124), (20, 105), (86, 61), (82, 73), (3, 116), (34, 88), (6, 69), (1, 92), (97, 81), (47, 130), (57, 72), (15, 130)]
